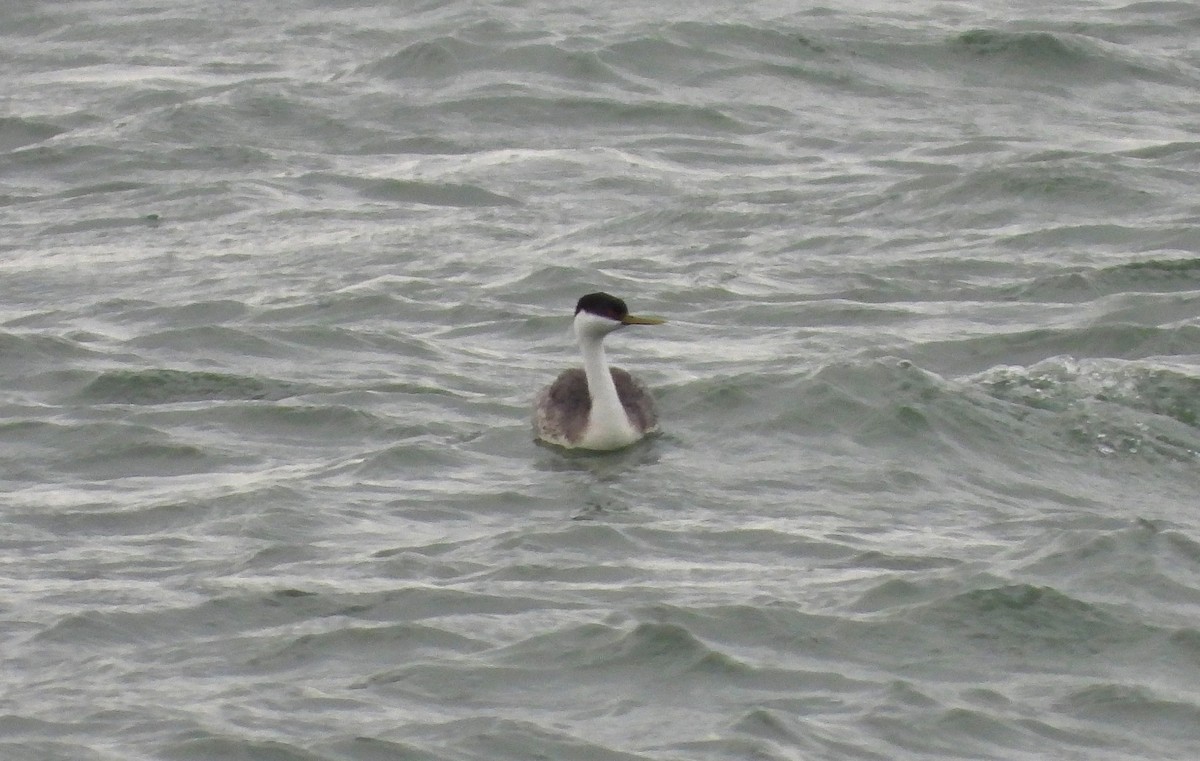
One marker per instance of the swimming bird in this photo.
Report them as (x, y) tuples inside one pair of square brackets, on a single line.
[(596, 407)]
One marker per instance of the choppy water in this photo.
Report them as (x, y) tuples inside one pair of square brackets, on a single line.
[(278, 282)]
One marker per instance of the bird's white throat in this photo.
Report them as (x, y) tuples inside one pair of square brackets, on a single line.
[(608, 425)]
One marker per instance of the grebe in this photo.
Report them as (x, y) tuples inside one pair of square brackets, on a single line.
[(596, 408)]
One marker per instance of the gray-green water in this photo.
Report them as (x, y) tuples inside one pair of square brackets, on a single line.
[(279, 281)]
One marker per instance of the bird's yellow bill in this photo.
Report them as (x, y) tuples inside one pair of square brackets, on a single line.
[(633, 319)]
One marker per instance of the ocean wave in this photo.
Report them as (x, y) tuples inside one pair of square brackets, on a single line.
[(1061, 382), (1086, 284), (1152, 560), (21, 352), (105, 449), (506, 739), (1132, 409), (451, 58), (1057, 183), (152, 455), (667, 649), (1034, 48), (201, 744), (140, 518), (875, 403), (293, 423), (398, 190), (195, 314), (1180, 150), (639, 60), (167, 386), (1025, 348), (241, 612), (1171, 716), (363, 646), (1058, 55), (1028, 616), (17, 132), (552, 112), (1156, 275)]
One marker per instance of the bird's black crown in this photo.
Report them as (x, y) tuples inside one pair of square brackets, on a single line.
[(602, 305)]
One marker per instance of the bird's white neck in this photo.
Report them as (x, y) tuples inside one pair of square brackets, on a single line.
[(608, 425)]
